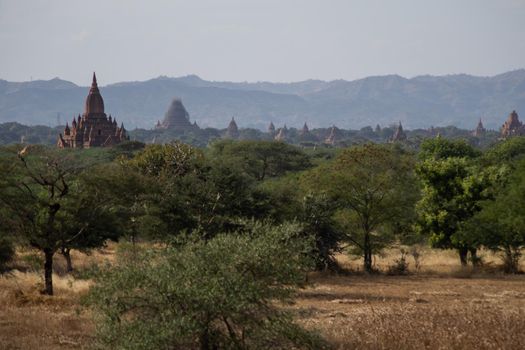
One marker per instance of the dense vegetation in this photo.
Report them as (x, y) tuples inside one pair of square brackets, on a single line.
[(230, 231)]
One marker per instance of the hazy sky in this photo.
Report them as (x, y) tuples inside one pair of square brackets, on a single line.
[(253, 40)]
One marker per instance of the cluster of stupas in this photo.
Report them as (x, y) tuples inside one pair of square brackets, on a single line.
[(94, 128), (512, 127)]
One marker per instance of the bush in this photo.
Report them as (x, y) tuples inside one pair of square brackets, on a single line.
[(7, 252), (219, 294), (400, 266)]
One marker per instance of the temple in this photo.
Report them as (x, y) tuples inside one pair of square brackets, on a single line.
[(93, 128), (480, 129), (232, 132), (271, 129), (399, 134), (512, 126), (333, 136), (177, 118), (305, 135)]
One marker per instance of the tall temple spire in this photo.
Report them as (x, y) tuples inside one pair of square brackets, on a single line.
[(94, 101)]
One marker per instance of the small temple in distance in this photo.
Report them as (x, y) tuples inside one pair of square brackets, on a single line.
[(399, 134), (232, 132), (480, 129), (93, 128), (512, 126)]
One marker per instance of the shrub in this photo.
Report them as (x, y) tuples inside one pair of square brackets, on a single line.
[(417, 254), (227, 292), (400, 266)]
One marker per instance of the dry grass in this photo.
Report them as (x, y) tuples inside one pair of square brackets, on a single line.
[(30, 320), (440, 307), (389, 312)]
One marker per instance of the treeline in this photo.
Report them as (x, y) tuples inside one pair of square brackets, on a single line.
[(237, 224), (11, 133)]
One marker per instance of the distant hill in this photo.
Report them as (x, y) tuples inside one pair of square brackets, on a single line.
[(418, 102)]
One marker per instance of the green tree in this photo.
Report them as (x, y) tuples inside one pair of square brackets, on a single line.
[(285, 200), (500, 225), (262, 159), (506, 151), (441, 148), (38, 186), (106, 201), (195, 193), (317, 217), (453, 188), (375, 189), (224, 293)]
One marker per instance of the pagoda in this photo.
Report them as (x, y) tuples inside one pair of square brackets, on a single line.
[(512, 126), (399, 134), (177, 118), (480, 129), (94, 128), (232, 132), (305, 135), (271, 129), (333, 136)]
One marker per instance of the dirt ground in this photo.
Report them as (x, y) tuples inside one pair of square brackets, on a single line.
[(440, 306)]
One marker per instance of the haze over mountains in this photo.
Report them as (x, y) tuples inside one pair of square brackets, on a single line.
[(418, 102)]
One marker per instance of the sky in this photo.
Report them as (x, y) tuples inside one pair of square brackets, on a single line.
[(258, 40)]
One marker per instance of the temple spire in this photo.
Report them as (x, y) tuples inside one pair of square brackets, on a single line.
[(94, 83)]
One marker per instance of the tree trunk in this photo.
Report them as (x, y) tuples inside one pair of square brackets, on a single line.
[(463, 256), (474, 257), (511, 264), (48, 271), (367, 247), (66, 252)]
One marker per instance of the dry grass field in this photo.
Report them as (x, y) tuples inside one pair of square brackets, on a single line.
[(439, 307)]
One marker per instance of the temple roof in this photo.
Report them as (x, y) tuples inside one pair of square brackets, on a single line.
[(94, 101)]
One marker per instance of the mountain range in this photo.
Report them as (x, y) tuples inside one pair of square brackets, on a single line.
[(418, 102)]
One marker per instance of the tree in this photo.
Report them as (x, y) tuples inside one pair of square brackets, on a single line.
[(500, 225), (286, 200), (193, 193), (217, 294), (262, 159), (453, 188), (441, 148), (505, 151), (38, 186), (375, 189), (316, 216), (106, 201)]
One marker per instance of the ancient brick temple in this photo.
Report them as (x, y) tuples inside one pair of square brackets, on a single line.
[(512, 126), (93, 128)]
